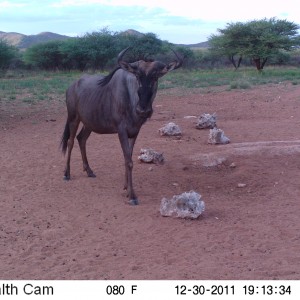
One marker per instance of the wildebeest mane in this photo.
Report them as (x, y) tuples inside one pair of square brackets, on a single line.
[(106, 79)]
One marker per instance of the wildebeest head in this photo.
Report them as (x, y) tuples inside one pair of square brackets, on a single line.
[(147, 74)]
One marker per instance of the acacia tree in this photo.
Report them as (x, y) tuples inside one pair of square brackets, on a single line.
[(97, 50), (75, 54), (143, 46), (258, 40), (229, 43), (7, 54), (100, 47), (45, 55)]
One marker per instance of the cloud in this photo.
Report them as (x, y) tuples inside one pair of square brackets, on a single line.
[(213, 10), (185, 21), (11, 4)]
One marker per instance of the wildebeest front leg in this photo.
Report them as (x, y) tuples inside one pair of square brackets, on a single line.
[(127, 147), (82, 138), (131, 142)]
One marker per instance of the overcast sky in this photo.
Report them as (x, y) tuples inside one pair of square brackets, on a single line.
[(177, 21)]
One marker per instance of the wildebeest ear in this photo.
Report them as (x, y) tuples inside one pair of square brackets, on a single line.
[(173, 65), (128, 67)]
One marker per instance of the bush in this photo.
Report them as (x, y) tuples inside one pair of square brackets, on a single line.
[(96, 50), (7, 54), (45, 56)]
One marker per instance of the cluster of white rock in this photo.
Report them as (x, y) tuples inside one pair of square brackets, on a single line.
[(216, 135), (188, 204)]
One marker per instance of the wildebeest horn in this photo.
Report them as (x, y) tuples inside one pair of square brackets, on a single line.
[(121, 54), (180, 59)]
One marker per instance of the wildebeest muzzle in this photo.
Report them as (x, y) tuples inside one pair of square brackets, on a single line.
[(144, 113), (144, 106)]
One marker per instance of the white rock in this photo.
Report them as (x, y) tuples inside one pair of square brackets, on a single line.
[(207, 121), (216, 136), (187, 205), (189, 117), (232, 165), (211, 160), (241, 185), (151, 156), (170, 129)]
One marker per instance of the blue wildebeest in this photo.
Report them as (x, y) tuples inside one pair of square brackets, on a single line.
[(120, 102)]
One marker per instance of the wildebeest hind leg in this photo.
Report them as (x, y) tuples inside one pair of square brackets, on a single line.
[(82, 138), (73, 126)]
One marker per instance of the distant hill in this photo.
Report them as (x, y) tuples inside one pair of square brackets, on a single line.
[(203, 45), (192, 46), (132, 32), (23, 41), (13, 38)]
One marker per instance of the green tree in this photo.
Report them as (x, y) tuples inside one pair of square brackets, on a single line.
[(146, 46), (100, 47), (258, 40), (143, 46), (98, 50), (46, 56), (7, 54), (75, 54), (229, 43)]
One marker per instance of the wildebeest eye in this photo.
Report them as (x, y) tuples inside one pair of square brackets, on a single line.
[(138, 78), (155, 78)]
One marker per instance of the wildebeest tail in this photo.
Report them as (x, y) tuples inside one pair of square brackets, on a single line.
[(65, 138)]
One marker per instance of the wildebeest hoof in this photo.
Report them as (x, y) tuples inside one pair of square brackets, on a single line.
[(67, 178), (92, 175), (133, 201)]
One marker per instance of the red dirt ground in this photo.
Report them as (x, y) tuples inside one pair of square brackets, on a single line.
[(83, 229)]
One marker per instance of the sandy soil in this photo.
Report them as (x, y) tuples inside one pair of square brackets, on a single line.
[(83, 229)]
